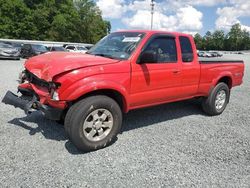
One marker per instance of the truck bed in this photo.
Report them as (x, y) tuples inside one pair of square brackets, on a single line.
[(212, 68)]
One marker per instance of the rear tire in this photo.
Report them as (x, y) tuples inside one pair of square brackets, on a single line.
[(217, 101), (60, 121), (93, 122)]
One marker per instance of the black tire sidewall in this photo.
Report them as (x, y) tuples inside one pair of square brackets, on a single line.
[(217, 89), (87, 106)]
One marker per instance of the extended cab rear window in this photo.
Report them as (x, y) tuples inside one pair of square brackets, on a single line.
[(186, 49)]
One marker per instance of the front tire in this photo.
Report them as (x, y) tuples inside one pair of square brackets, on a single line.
[(93, 122), (217, 101)]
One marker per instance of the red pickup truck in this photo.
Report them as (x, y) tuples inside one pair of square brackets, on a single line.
[(125, 70)]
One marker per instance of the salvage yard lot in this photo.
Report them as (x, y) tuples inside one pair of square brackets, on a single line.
[(169, 145)]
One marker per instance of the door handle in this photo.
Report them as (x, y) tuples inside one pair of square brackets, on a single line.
[(176, 71)]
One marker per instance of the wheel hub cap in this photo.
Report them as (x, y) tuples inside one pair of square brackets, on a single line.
[(98, 124), (220, 99)]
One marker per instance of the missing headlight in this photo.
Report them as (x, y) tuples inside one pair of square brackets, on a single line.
[(55, 96), (22, 77), (53, 90)]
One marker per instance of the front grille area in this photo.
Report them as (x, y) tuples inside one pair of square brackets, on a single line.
[(35, 80)]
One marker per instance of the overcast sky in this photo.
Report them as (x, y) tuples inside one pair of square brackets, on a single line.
[(177, 15)]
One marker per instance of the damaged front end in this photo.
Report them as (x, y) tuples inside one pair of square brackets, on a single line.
[(36, 94)]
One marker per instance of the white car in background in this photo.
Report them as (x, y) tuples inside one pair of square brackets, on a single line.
[(204, 54), (207, 54), (74, 48)]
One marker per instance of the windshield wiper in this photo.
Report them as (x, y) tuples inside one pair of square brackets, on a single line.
[(104, 55)]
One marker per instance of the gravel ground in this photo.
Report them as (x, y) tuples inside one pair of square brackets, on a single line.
[(173, 145)]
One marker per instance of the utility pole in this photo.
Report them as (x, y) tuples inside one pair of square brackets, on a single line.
[(152, 13)]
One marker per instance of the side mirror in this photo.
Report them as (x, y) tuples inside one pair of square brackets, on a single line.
[(187, 57), (147, 57)]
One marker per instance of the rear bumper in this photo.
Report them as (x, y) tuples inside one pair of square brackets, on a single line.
[(29, 103)]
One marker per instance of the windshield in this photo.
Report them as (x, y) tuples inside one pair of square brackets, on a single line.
[(81, 48), (2, 45), (118, 45), (58, 48), (39, 48), (17, 45)]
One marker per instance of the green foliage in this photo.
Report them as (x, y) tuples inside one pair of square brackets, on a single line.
[(218, 40), (91, 26), (236, 39), (15, 20), (198, 40), (57, 20)]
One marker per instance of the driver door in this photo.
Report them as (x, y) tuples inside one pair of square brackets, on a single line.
[(156, 76)]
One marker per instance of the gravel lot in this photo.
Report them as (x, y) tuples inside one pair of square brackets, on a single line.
[(173, 145)]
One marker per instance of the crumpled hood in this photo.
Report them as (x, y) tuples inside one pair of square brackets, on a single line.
[(48, 65)]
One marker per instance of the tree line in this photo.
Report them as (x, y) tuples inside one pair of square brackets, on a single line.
[(81, 21), (236, 39), (54, 20)]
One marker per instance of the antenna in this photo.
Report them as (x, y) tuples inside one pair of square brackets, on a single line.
[(152, 12)]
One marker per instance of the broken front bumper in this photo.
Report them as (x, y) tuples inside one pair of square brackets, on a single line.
[(29, 103)]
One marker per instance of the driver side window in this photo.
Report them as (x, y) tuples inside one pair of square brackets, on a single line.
[(162, 50)]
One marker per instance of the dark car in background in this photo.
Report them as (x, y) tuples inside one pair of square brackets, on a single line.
[(29, 50), (216, 54), (56, 48), (8, 51), (89, 47)]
